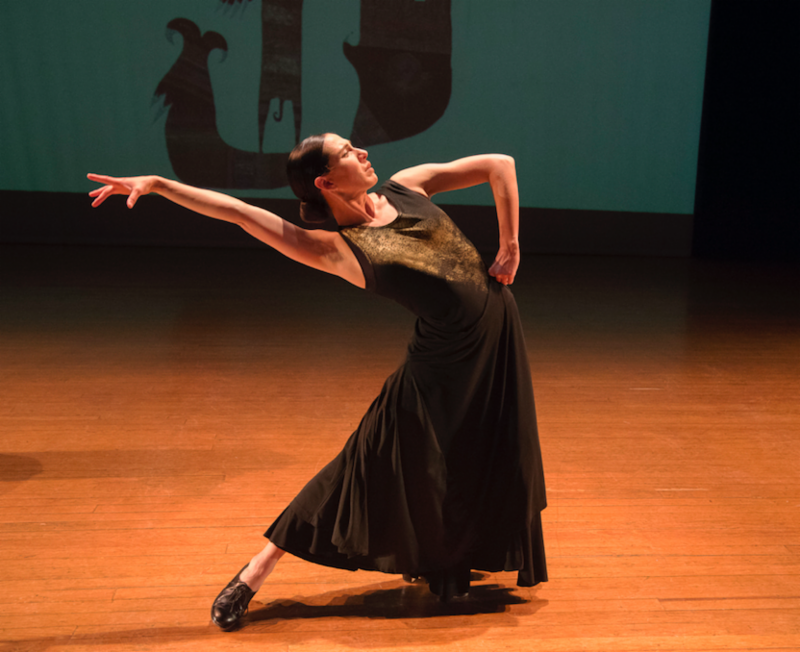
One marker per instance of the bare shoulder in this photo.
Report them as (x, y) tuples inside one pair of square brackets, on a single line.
[(414, 178)]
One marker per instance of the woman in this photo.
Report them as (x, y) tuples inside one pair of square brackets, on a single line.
[(444, 473)]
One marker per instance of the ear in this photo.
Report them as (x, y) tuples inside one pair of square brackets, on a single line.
[(323, 183)]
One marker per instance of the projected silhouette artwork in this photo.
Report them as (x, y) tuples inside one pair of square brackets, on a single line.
[(403, 63)]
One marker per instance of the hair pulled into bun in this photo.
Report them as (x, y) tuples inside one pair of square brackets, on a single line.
[(313, 212), (306, 162)]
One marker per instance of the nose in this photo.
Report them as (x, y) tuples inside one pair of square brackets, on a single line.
[(361, 153)]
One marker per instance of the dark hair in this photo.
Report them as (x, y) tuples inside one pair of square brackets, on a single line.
[(306, 162)]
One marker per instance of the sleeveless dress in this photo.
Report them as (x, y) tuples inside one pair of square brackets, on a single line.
[(444, 472)]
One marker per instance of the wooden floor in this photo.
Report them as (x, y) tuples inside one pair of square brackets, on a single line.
[(160, 407)]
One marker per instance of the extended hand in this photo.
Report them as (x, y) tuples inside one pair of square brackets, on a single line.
[(505, 265), (134, 187)]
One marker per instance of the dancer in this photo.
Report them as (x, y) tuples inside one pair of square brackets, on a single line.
[(443, 474)]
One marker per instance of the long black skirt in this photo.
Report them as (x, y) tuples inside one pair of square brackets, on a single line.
[(443, 474)]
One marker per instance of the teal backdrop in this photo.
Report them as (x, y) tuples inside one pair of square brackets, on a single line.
[(599, 101)]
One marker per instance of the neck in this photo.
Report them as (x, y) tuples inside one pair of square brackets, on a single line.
[(352, 210)]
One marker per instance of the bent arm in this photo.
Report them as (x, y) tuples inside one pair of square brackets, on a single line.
[(499, 171), (323, 250)]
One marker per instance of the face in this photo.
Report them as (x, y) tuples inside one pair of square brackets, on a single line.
[(350, 171)]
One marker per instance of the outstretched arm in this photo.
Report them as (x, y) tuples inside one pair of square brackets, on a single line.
[(500, 172), (321, 250)]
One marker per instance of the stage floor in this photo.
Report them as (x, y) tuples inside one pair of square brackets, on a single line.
[(161, 406)]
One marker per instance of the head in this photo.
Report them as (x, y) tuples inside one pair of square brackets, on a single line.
[(326, 167)]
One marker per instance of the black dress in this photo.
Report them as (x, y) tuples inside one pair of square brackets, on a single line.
[(444, 473)]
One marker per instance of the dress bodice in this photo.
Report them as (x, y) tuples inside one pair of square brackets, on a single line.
[(421, 260)]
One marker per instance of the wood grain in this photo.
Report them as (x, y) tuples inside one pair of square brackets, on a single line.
[(161, 406)]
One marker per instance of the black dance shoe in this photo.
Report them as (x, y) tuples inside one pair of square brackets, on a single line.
[(231, 603)]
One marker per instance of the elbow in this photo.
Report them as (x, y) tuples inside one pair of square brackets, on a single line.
[(241, 218), (507, 164), (503, 168), (505, 160), (246, 224)]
